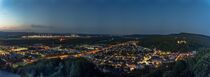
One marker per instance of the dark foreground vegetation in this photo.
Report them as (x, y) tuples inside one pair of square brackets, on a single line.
[(198, 66), (75, 67)]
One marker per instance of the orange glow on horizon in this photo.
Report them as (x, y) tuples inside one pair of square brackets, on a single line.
[(12, 28), (7, 27)]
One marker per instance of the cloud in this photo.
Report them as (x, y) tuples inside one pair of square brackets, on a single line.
[(41, 26)]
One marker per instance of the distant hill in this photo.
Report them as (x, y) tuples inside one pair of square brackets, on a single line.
[(19, 34), (153, 35), (170, 42), (163, 42)]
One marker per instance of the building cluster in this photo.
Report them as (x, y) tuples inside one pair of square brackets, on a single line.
[(181, 42), (128, 56), (50, 36), (119, 58), (18, 56)]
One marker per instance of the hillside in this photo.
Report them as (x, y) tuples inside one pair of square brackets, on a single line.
[(188, 41)]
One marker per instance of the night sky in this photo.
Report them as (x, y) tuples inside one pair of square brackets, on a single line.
[(106, 16)]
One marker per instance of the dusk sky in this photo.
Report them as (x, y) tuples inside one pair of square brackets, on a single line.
[(106, 16)]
